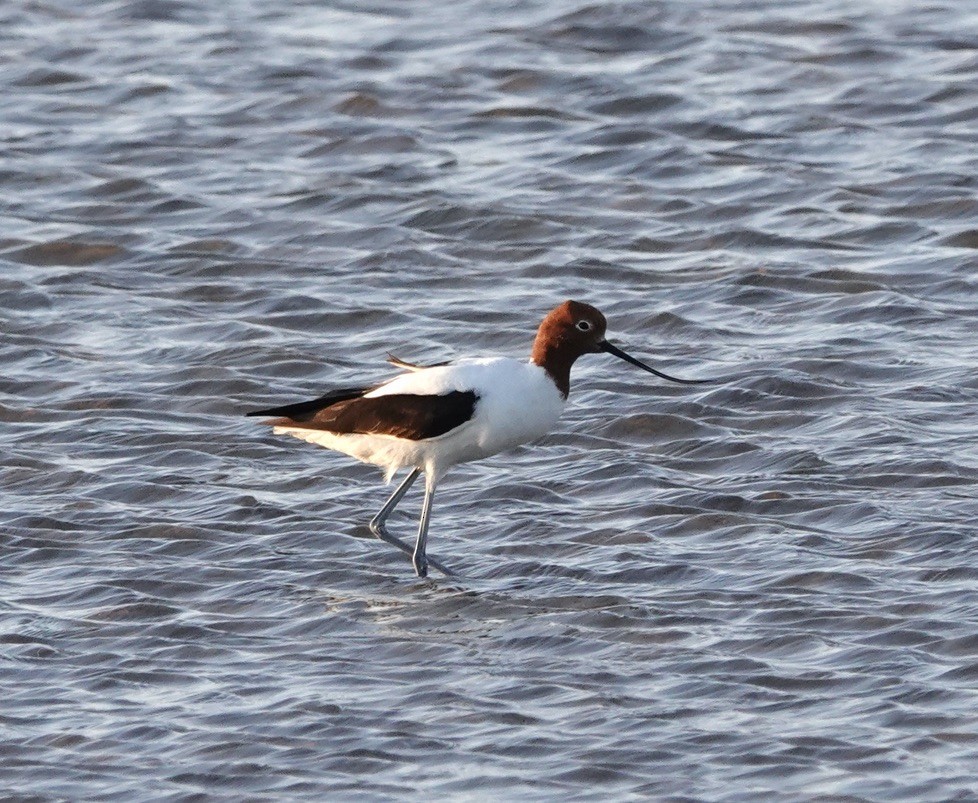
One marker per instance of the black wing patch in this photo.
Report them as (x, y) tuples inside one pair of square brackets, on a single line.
[(302, 411), (401, 415)]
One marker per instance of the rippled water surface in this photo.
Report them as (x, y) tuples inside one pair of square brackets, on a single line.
[(763, 588)]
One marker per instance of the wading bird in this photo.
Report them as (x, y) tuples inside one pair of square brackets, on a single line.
[(430, 418)]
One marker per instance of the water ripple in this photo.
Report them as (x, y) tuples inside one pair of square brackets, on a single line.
[(757, 588)]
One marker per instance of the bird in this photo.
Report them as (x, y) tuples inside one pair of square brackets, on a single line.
[(432, 417)]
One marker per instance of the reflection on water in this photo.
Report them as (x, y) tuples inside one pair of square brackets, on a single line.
[(762, 586)]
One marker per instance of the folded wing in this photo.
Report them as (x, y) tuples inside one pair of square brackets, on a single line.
[(399, 415)]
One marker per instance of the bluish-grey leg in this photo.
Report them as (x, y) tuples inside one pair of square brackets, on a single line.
[(378, 522), (420, 557)]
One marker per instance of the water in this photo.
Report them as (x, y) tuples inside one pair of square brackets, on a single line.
[(759, 589)]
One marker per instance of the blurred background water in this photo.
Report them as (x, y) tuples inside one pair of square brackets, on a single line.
[(758, 589)]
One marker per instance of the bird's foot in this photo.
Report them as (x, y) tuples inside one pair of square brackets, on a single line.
[(380, 531)]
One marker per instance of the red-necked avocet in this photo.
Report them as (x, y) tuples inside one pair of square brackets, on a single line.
[(430, 418)]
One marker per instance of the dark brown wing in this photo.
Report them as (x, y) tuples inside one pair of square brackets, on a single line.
[(401, 415)]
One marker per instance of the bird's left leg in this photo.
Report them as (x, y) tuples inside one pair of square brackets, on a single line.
[(420, 557)]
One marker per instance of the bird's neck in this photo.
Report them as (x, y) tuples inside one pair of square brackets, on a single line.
[(556, 359)]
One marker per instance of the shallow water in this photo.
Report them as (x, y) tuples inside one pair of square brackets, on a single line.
[(761, 588)]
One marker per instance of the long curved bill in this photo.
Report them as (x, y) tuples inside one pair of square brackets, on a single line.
[(605, 346)]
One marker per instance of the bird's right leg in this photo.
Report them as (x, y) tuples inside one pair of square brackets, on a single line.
[(378, 524)]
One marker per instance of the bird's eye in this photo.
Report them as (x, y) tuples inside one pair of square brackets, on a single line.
[(584, 326)]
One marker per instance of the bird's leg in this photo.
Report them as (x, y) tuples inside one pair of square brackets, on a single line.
[(378, 524), (420, 557)]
